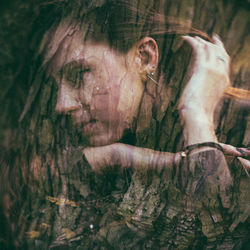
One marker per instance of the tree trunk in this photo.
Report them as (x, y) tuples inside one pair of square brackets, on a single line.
[(59, 202)]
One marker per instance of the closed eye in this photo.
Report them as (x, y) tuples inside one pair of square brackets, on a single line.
[(73, 73), (75, 77)]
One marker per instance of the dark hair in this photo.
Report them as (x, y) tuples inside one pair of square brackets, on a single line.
[(121, 22)]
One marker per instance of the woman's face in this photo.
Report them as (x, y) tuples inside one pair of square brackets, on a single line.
[(98, 87)]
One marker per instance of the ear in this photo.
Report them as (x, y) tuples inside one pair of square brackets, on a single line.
[(147, 51)]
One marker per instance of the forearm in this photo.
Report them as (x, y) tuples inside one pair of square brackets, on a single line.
[(127, 156), (209, 79), (198, 126)]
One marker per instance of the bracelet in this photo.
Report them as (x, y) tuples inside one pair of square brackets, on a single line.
[(189, 148)]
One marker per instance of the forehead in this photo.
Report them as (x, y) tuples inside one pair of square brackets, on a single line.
[(74, 49), (70, 41)]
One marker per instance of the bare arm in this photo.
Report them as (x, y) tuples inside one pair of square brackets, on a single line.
[(127, 156), (209, 79)]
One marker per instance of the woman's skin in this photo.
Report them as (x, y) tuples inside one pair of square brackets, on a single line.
[(101, 89), (209, 78)]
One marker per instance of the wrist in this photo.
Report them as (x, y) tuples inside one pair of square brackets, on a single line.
[(198, 147), (198, 126), (195, 114)]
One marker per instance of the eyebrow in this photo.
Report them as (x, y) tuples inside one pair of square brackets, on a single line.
[(73, 64)]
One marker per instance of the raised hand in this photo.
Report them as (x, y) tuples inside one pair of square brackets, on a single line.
[(209, 75), (208, 81)]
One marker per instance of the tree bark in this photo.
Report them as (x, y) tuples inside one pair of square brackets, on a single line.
[(57, 201)]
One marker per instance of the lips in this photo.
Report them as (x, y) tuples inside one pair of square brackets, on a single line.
[(86, 125), (86, 129), (81, 118)]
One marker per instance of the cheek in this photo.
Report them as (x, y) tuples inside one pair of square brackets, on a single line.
[(99, 104), (130, 96), (104, 106)]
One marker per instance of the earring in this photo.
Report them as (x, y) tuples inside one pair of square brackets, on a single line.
[(151, 78)]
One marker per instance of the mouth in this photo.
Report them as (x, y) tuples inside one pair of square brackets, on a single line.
[(83, 121), (89, 127)]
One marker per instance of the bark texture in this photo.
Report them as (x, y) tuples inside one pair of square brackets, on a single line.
[(58, 202)]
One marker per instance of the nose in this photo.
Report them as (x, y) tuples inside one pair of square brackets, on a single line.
[(67, 99)]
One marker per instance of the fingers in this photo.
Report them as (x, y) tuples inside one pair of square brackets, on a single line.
[(231, 150), (191, 40), (244, 151), (245, 162), (197, 41), (239, 153), (218, 41), (210, 55), (246, 165), (199, 49)]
